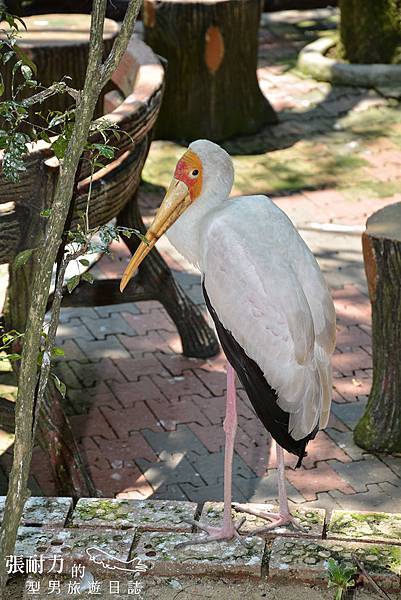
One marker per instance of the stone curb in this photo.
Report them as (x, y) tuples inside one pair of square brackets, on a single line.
[(163, 553), (365, 526), (148, 531), (306, 560), (89, 547), (313, 62), (146, 515), (311, 520), (43, 512)]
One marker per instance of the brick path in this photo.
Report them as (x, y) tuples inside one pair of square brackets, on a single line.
[(149, 421)]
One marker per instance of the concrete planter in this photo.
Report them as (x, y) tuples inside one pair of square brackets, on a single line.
[(313, 62)]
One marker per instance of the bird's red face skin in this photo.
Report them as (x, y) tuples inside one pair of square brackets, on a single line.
[(185, 187), (189, 171)]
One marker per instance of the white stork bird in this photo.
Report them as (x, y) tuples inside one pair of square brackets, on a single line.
[(268, 299)]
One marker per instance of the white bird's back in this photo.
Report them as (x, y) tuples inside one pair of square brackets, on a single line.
[(269, 293)]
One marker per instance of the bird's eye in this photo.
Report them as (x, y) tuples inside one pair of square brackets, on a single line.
[(195, 173)]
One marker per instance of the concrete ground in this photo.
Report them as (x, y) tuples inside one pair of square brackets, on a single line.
[(148, 420)]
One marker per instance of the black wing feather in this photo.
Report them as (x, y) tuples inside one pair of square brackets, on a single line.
[(262, 396)]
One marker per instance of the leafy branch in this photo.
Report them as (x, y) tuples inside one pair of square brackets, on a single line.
[(7, 341), (25, 409), (14, 112)]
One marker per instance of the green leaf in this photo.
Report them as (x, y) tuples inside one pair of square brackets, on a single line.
[(88, 277), (7, 56), (105, 150), (59, 146), (57, 351), (11, 357), (60, 385), (24, 59), (39, 359), (84, 262), (12, 20), (73, 282), (46, 212), (44, 136), (17, 66), (26, 72), (23, 257)]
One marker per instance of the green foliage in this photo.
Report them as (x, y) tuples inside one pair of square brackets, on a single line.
[(341, 577), (7, 339), (73, 282), (23, 257), (13, 113), (60, 385)]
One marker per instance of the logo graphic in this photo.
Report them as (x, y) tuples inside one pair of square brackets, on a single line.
[(113, 563)]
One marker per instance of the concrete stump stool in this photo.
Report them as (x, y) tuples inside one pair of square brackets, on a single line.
[(380, 427), (58, 44), (211, 47)]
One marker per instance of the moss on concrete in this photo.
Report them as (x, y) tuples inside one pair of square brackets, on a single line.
[(124, 514), (365, 525)]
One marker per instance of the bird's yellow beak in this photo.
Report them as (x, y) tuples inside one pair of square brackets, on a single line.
[(176, 201)]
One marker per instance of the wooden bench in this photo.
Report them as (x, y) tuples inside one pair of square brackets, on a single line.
[(140, 79), (134, 104)]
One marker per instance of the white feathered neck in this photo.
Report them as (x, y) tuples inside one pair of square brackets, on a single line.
[(217, 181)]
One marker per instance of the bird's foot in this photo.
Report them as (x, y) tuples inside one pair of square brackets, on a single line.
[(276, 519), (227, 531)]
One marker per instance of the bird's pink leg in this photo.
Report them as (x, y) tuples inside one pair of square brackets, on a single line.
[(228, 529), (283, 517)]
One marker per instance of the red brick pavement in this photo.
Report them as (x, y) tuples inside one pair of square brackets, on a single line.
[(158, 390)]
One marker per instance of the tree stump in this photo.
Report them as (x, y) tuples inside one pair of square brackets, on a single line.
[(380, 427), (212, 89), (370, 30), (277, 5)]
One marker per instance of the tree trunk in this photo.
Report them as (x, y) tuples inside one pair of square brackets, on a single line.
[(54, 431), (371, 30), (97, 75), (212, 89), (380, 427)]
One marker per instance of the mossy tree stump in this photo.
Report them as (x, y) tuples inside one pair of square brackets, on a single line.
[(380, 427), (212, 89), (371, 30)]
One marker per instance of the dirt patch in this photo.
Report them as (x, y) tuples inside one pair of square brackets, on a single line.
[(228, 590)]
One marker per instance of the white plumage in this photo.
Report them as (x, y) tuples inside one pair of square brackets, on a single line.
[(269, 302), (266, 288)]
